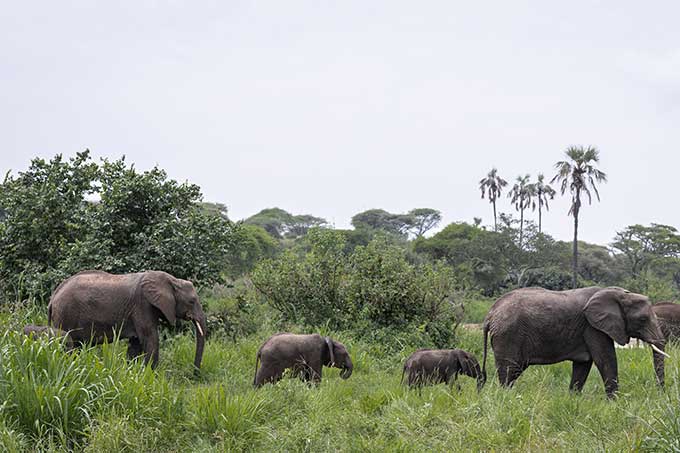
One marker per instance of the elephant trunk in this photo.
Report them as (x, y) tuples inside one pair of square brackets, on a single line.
[(346, 370), (201, 331), (659, 356)]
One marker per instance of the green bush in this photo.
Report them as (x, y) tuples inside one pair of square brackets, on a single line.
[(51, 228), (374, 287)]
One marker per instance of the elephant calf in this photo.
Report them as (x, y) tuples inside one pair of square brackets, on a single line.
[(305, 355), (47, 331), (433, 366)]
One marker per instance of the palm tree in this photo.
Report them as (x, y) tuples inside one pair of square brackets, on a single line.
[(521, 195), (541, 192), (493, 185), (579, 175)]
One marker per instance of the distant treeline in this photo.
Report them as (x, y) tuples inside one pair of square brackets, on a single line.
[(63, 215)]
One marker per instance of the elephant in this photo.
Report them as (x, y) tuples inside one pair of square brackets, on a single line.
[(668, 315), (305, 355), (95, 306), (48, 332), (432, 366), (535, 326)]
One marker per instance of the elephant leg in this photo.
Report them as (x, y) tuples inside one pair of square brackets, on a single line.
[(134, 349), (604, 355), (266, 375), (508, 372), (150, 344), (579, 374), (311, 371), (453, 379)]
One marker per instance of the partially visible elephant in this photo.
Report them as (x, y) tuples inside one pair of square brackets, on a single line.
[(95, 306), (668, 315), (305, 355), (48, 332), (433, 366), (535, 326)]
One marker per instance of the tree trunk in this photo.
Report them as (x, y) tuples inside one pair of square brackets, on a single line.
[(495, 223), (575, 257), (539, 216), (521, 227)]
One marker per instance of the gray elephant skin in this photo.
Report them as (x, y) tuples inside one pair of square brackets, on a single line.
[(433, 366), (34, 331), (304, 355), (535, 326), (668, 315), (95, 306)]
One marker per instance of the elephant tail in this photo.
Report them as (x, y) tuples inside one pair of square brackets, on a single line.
[(486, 336), (49, 315), (401, 382)]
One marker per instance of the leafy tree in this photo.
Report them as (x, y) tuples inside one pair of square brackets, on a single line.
[(579, 175), (217, 209), (541, 193), (492, 185), (642, 245), (282, 224), (253, 244), (423, 220), (137, 221), (469, 249), (598, 265), (521, 196), (379, 219), (307, 289), (45, 212)]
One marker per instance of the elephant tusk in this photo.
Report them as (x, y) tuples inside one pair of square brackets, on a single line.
[(659, 351), (198, 327)]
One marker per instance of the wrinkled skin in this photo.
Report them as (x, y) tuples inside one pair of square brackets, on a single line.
[(304, 355), (534, 326), (47, 332), (668, 315), (433, 366), (95, 306)]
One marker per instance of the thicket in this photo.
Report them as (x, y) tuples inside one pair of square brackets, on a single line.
[(373, 287), (62, 216)]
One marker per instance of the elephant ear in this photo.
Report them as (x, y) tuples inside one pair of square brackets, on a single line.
[(329, 343), (158, 289), (604, 313)]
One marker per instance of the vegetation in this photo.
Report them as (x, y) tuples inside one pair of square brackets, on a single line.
[(493, 185), (63, 216), (384, 288), (95, 400), (541, 193), (580, 176)]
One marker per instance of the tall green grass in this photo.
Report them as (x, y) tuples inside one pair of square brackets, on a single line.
[(95, 400)]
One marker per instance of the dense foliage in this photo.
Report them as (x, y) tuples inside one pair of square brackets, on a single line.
[(63, 216), (372, 287)]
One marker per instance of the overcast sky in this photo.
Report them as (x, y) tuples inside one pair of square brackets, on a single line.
[(332, 108)]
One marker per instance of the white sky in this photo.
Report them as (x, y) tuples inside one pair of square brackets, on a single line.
[(332, 108)]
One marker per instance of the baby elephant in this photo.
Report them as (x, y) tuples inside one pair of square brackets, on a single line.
[(303, 354), (432, 366), (48, 332)]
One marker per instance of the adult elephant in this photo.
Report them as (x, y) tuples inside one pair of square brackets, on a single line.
[(95, 306), (668, 314), (535, 326)]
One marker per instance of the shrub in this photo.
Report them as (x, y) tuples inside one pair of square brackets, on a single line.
[(374, 287), (51, 228), (307, 289)]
